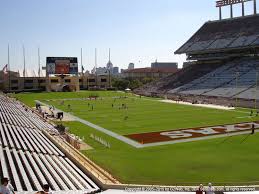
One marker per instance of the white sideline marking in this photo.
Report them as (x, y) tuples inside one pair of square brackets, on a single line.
[(245, 117), (200, 105), (106, 131)]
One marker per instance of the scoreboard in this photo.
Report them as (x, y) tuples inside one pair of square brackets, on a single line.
[(223, 3), (62, 65)]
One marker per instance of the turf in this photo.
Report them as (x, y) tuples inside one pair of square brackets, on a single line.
[(221, 160), (143, 114)]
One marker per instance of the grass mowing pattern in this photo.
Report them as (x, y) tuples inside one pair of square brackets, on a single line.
[(222, 160), (216, 160), (143, 115)]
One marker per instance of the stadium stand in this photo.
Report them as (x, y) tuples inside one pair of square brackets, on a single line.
[(29, 159), (224, 35), (224, 65), (175, 80), (227, 81)]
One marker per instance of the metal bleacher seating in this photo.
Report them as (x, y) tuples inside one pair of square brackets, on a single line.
[(29, 159), (224, 34), (232, 45), (236, 78)]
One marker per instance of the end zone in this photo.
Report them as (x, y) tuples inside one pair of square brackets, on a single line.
[(193, 134)]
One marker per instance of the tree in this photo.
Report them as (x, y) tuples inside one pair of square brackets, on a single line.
[(135, 84), (120, 84), (146, 80)]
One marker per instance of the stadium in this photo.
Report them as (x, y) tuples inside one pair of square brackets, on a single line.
[(197, 126)]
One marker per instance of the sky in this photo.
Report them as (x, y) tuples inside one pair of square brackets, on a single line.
[(138, 31)]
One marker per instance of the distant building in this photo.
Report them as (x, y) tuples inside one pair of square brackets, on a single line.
[(123, 70), (155, 73), (109, 65), (18, 83), (164, 65), (131, 66), (100, 71), (115, 70)]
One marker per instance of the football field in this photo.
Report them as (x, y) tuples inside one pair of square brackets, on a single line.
[(231, 159)]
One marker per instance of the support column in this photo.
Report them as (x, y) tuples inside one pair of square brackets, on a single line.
[(231, 11), (243, 8), (255, 11), (220, 13)]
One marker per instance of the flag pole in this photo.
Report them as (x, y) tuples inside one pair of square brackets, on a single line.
[(82, 61), (39, 61), (39, 68), (9, 68), (23, 67), (96, 81), (109, 68)]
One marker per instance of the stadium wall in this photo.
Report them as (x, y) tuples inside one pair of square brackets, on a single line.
[(14, 83)]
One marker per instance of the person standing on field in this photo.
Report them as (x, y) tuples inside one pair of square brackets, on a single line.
[(253, 129)]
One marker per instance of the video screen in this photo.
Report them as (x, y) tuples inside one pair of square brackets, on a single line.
[(62, 65)]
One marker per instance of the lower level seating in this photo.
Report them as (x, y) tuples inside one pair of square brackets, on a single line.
[(30, 160), (234, 79)]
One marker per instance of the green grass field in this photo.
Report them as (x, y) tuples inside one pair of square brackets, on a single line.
[(221, 160)]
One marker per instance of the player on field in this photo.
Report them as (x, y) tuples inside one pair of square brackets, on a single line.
[(253, 129)]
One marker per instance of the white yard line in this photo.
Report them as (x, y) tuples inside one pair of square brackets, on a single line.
[(139, 145), (106, 131)]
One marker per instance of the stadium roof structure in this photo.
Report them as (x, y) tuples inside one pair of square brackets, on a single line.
[(224, 35)]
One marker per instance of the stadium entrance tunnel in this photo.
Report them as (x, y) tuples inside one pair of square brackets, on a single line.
[(63, 88), (66, 88)]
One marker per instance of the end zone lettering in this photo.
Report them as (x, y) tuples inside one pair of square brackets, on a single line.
[(191, 133)]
